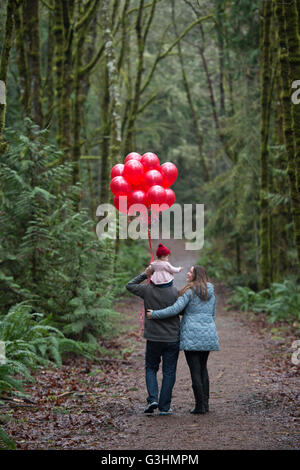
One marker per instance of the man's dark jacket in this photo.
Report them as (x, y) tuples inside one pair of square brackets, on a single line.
[(155, 298)]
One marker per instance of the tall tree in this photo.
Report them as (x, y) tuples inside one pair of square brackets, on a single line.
[(4, 61), (63, 33), (280, 211), (112, 81), (293, 46), (141, 38), (84, 45), (219, 13), (22, 61), (285, 76), (196, 124), (31, 25), (265, 259)]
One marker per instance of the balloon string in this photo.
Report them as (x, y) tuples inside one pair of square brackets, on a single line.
[(149, 238), (142, 312)]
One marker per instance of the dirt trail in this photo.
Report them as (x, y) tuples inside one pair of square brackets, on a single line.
[(240, 416), (84, 405)]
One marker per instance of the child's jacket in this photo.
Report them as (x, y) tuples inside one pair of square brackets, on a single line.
[(163, 272)]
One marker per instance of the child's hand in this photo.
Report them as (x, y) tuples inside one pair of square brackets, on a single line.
[(149, 314), (180, 268), (149, 271)]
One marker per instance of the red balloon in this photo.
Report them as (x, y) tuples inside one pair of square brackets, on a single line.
[(133, 156), (117, 204), (169, 173), (153, 177), (117, 170), (150, 161), (133, 172), (142, 186), (170, 197), (156, 195), (119, 186), (138, 197)]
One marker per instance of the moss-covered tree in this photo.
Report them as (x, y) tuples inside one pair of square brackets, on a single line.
[(196, 124), (4, 61), (285, 76), (265, 259), (31, 25)]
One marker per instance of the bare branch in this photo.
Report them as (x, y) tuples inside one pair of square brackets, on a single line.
[(149, 20), (51, 7), (167, 52), (90, 9), (149, 101), (93, 62)]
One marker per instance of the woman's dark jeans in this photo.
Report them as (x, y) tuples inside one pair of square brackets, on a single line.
[(197, 362), (155, 350)]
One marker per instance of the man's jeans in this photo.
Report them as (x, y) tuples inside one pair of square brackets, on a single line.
[(155, 350)]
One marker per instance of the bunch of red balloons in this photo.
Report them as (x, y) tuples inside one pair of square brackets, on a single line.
[(144, 181)]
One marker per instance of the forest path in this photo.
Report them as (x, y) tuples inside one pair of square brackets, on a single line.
[(241, 414), (87, 405)]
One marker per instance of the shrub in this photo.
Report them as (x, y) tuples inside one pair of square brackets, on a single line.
[(280, 302)]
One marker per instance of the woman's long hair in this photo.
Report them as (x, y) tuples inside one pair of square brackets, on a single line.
[(198, 283)]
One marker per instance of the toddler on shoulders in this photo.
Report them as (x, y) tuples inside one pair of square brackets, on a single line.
[(163, 270)]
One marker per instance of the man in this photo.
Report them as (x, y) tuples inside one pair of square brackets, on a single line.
[(162, 341)]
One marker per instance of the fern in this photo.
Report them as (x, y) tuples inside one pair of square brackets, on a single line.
[(56, 255), (6, 442), (281, 302)]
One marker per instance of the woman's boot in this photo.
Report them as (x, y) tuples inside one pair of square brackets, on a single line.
[(199, 407)]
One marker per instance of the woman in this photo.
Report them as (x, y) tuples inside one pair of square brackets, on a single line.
[(198, 334)]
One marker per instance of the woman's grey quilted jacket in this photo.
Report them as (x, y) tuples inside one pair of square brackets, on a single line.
[(198, 330)]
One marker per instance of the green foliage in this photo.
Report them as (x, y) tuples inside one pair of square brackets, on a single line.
[(50, 255), (30, 341), (133, 258), (281, 301), (217, 266), (6, 442), (91, 313)]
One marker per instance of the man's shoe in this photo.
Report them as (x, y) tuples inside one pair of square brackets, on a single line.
[(169, 412), (151, 407)]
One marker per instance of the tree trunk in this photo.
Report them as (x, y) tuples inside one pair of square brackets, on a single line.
[(112, 78), (228, 151), (32, 41), (22, 62), (5, 52), (141, 35), (198, 133), (220, 11), (293, 46), (265, 262), (130, 134), (280, 212), (48, 88), (113, 86), (287, 119), (105, 130), (59, 65), (63, 32), (66, 103), (85, 41)]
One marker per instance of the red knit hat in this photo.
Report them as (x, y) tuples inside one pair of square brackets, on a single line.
[(162, 250)]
